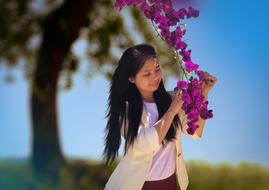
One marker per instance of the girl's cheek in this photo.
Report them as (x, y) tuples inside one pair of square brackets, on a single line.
[(161, 75)]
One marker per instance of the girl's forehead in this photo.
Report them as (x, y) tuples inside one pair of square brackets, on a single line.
[(151, 62)]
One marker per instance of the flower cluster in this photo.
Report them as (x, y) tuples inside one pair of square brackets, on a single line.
[(193, 102), (167, 23)]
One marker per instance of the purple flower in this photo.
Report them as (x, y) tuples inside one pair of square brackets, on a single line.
[(196, 95), (207, 115), (118, 5), (172, 16), (203, 110), (152, 12), (166, 5), (180, 44), (137, 2), (179, 32), (186, 55), (181, 13), (144, 6), (192, 13), (193, 115), (165, 33), (186, 98), (172, 39), (195, 84), (181, 84), (191, 128), (190, 66), (128, 2)]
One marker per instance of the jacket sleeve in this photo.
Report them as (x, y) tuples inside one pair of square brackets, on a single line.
[(183, 119)]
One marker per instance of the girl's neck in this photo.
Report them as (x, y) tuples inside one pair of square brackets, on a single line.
[(148, 98), (149, 101)]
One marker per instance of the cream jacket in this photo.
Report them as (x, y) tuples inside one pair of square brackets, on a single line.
[(131, 172)]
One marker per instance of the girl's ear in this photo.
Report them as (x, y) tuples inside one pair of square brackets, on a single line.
[(131, 79)]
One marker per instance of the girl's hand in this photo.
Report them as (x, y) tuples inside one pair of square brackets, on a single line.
[(208, 82), (176, 103)]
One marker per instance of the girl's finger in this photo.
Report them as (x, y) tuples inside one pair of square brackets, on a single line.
[(213, 79), (177, 92), (210, 78), (180, 96), (206, 74)]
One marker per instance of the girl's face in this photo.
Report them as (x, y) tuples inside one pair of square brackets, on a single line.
[(148, 78)]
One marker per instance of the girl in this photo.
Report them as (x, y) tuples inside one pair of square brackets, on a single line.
[(150, 119)]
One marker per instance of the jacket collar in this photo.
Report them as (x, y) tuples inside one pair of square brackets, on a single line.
[(145, 121), (145, 117)]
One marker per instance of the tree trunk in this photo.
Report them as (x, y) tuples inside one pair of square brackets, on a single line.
[(60, 30)]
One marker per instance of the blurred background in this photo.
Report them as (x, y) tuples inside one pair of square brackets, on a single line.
[(56, 62)]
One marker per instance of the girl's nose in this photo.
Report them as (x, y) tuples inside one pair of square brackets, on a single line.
[(155, 79), (156, 76)]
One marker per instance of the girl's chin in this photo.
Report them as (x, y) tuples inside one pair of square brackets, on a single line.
[(153, 87)]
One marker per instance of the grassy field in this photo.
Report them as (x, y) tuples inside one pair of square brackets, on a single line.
[(16, 174)]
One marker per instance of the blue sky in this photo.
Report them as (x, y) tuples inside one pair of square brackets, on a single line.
[(229, 40)]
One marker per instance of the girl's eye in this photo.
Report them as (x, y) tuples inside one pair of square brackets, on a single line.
[(157, 70), (146, 75)]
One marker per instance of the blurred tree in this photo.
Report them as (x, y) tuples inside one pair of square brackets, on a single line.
[(40, 33)]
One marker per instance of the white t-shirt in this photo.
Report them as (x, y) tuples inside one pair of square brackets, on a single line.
[(163, 164)]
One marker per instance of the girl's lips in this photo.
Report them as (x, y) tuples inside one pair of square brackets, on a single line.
[(154, 84)]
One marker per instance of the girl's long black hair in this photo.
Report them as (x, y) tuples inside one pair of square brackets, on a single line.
[(121, 92)]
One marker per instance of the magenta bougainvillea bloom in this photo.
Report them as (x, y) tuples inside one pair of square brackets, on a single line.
[(190, 66), (167, 23), (181, 84)]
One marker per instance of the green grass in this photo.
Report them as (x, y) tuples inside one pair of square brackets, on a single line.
[(15, 174), (244, 176)]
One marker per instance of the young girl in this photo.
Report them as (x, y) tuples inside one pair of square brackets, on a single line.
[(150, 119)]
